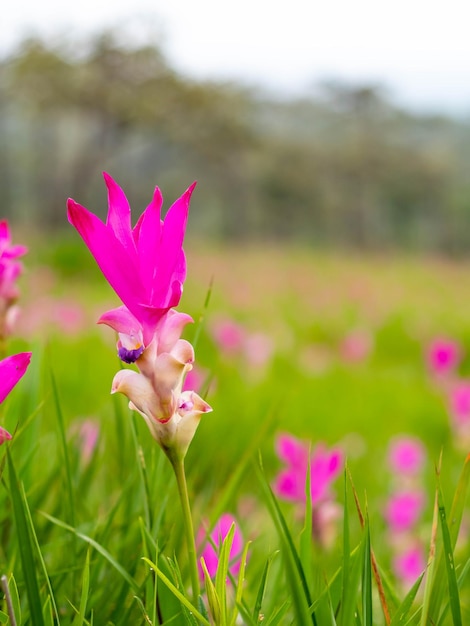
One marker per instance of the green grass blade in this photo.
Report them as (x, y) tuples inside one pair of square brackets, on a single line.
[(39, 553), (99, 548), (367, 578), (25, 546), (306, 536), (15, 599), (262, 587), (345, 587), (454, 596), (181, 597), (65, 454), (403, 612), (202, 316), (241, 579), (294, 571), (80, 618), (222, 572), (435, 588)]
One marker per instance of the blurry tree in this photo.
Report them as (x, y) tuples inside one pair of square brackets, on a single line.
[(342, 165)]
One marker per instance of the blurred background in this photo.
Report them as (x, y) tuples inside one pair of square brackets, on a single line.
[(334, 125)]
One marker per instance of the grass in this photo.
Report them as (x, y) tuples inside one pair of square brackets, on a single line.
[(98, 539)]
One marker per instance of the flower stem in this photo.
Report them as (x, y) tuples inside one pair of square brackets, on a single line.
[(178, 466)]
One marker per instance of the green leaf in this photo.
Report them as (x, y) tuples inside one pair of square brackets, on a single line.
[(99, 548), (435, 588), (262, 586), (454, 599), (367, 578), (25, 546), (80, 618), (403, 611), (176, 592), (294, 571)]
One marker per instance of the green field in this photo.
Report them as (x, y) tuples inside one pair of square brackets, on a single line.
[(120, 504)]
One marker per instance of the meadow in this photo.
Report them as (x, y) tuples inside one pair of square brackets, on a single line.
[(328, 348)]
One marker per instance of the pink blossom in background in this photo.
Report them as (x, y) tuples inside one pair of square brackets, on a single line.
[(210, 554), (88, 432), (443, 356), (356, 346), (403, 510), (459, 402), (325, 465), (10, 270), (409, 564), (50, 314), (406, 455), (228, 335), (11, 370), (259, 348), (194, 380)]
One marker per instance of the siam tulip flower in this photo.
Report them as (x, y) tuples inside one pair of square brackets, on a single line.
[(11, 370), (406, 455), (404, 509), (443, 356), (324, 468), (171, 414), (10, 270), (145, 265), (217, 537)]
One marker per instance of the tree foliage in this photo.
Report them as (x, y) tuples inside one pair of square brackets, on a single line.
[(341, 165)]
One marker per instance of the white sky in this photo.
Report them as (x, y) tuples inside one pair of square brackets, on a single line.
[(420, 49)]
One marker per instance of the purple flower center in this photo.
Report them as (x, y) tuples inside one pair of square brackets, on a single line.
[(130, 356)]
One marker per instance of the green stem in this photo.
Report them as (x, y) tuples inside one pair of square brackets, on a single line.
[(178, 466)]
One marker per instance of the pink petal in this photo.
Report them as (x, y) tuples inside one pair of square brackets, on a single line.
[(170, 329), (292, 451), (147, 234), (4, 435), (121, 320), (11, 370), (171, 266), (118, 264), (119, 213)]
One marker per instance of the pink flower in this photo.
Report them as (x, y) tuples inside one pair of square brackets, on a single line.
[(356, 346), (11, 370), (404, 509), (443, 356), (10, 270), (229, 336), (210, 552), (409, 564), (324, 468), (406, 455), (145, 265), (459, 399)]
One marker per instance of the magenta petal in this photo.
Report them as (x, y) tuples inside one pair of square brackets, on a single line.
[(11, 370), (121, 320), (148, 230), (4, 435), (119, 213), (170, 259), (118, 264), (292, 451)]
